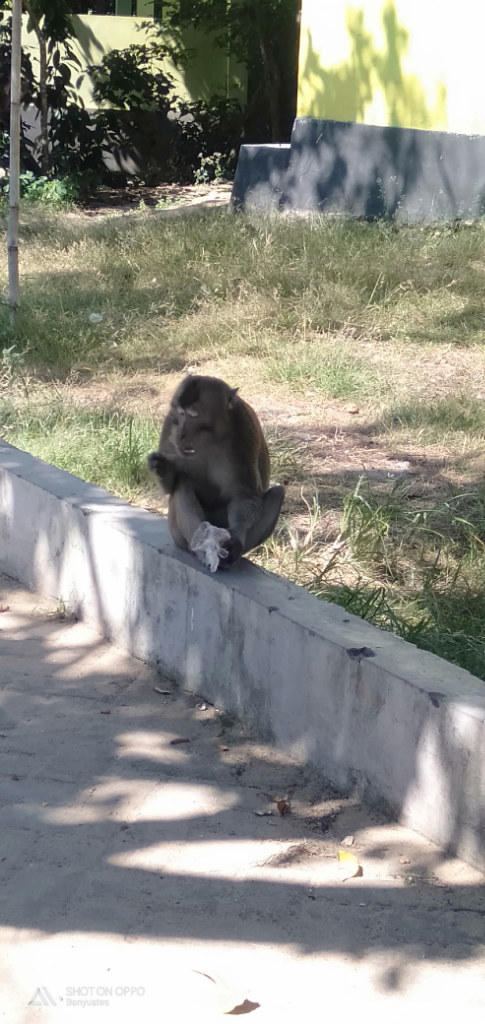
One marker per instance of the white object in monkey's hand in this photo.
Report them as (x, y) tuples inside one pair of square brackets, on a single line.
[(207, 544)]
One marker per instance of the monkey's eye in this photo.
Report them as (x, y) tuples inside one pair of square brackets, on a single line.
[(192, 412)]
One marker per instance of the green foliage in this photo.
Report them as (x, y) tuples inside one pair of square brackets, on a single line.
[(142, 95), (50, 191), (263, 34), (137, 98), (208, 138), (55, 17), (27, 91), (11, 366), (336, 376), (77, 141), (51, 19), (191, 140), (130, 79), (212, 168)]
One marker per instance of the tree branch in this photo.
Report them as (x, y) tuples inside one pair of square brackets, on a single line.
[(44, 107)]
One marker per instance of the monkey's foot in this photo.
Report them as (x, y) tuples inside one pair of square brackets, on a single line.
[(207, 543)]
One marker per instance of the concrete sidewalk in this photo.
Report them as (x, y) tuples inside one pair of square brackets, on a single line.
[(132, 868)]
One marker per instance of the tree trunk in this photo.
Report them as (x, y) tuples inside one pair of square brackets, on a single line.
[(44, 108), (272, 86), (14, 167)]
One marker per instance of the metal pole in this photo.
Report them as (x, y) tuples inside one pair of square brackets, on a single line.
[(14, 169)]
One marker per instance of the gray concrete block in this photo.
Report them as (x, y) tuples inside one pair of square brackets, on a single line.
[(405, 727), (407, 174), (259, 182), (366, 171)]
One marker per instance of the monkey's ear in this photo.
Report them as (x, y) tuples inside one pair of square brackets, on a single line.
[(232, 394)]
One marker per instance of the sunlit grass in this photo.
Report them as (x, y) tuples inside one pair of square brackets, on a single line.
[(318, 310)]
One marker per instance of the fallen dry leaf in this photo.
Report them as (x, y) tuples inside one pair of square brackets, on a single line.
[(15, 778), (348, 841), (264, 814), (164, 693), (283, 806), (5, 608), (404, 860), (228, 999), (346, 858), (185, 739), (221, 746), (349, 860), (282, 803)]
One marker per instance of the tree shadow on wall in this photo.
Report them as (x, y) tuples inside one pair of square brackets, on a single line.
[(344, 92), (344, 164)]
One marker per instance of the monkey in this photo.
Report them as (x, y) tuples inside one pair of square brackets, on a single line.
[(213, 462)]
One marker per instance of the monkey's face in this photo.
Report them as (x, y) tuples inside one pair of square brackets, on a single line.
[(184, 430), (200, 413)]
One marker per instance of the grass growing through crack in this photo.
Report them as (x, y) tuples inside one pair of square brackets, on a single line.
[(318, 311)]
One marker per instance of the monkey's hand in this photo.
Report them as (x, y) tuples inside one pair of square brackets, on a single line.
[(233, 549), (164, 469), (209, 543)]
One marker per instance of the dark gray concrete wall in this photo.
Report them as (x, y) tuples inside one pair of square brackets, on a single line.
[(260, 180), (366, 171)]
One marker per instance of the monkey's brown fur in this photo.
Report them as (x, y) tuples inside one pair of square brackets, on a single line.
[(214, 463)]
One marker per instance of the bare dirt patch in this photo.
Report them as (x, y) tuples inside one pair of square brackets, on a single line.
[(164, 196)]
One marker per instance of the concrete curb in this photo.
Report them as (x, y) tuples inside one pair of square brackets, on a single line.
[(369, 710)]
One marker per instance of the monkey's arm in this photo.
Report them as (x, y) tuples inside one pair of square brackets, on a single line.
[(164, 461)]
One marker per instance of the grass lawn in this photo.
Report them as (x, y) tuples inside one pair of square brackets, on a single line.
[(361, 346)]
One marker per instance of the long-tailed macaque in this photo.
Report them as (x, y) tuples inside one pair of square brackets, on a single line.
[(213, 461)]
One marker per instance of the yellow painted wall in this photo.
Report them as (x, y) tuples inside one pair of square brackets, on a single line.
[(209, 72), (414, 63)]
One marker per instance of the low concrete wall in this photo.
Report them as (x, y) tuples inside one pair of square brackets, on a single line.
[(366, 708), (366, 171)]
